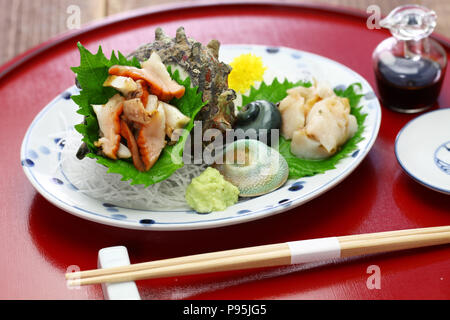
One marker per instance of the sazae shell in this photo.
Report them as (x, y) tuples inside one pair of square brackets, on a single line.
[(253, 167), (202, 65)]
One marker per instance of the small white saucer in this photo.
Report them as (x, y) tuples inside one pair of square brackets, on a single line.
[(422, 148)]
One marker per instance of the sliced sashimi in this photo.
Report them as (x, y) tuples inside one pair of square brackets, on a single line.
[(136, 74), (134, 111), (328, 123), (123, 152), (149, 130), (292, 115), (108, 117), (155, 74), (317, 120), (151, 138), (143, 91), (152, 103), (305, 147), (127, 134), (124, 85), (175, 120), (170, 88)]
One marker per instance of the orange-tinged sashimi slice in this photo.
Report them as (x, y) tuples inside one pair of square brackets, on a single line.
[(132, 145), (155, 74), (143, 91), (134, 111), (151, 138), (108, 117), (170, 88)]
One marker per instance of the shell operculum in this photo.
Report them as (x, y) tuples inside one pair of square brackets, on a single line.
[(253, 167)]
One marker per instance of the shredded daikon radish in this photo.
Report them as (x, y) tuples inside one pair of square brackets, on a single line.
[(93, 180)]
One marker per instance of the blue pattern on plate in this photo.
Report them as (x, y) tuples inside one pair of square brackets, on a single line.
[(370, 95), (296, 56), (71, 186), (66, 95), (285, 203), (297, 186), (273, 50), (355, 154), (32, 154), (108, 205), (442, 157), (118, 216), (147, 221), (60, 142), (28, 163), (44, 150), (243, 211), (57, 181), (340, 87)]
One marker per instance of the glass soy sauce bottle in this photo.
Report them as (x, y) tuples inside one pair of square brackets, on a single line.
[(410, 66)]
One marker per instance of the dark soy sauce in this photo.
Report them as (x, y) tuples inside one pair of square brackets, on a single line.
[(408, 85)]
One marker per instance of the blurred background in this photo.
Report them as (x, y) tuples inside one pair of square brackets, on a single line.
[(26, 23)]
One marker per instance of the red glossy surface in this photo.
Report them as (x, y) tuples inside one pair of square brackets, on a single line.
[(38, 241)]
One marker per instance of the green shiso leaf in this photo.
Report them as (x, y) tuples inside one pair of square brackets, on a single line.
[(91, 75), (298, 168), (274, 92)]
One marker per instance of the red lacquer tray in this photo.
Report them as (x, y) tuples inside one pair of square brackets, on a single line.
[(39, 241)]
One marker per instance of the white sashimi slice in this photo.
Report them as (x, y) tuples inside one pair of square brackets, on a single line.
[(124, 85), (317, 121), (328, 121), (151, 138), (304, 147), (108, 117), (174, 120), (123, 152), (133, 110), (292, 115)]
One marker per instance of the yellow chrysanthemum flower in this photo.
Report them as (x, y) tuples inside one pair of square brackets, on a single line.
[(246, 70)]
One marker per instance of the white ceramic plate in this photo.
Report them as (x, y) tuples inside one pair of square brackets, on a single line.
[(41, 150), (422, 149)]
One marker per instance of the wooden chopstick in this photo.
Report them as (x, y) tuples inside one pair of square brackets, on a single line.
[(265, 256), (404, 232), (237, 252), (171, 261), (395, 243)]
